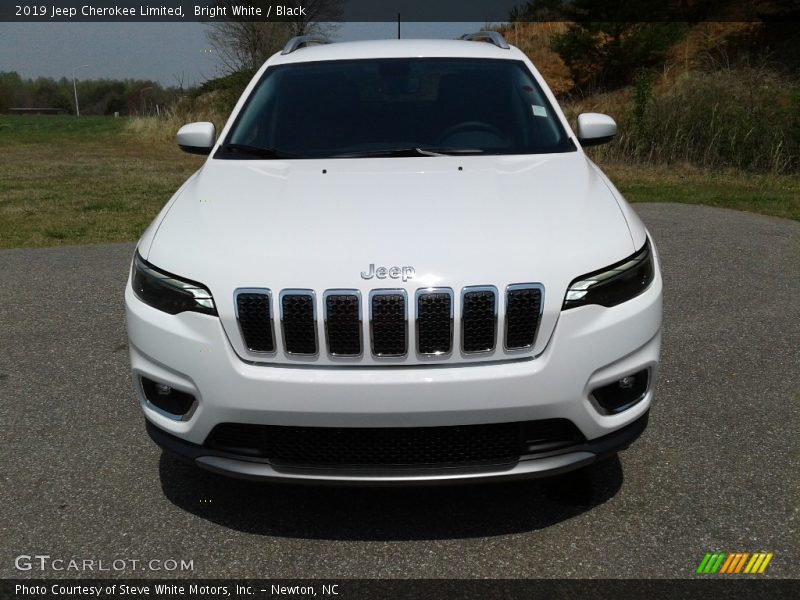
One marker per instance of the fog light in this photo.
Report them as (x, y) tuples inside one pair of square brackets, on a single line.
[(622, 394), (166, 398)]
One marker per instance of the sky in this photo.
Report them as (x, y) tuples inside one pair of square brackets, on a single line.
[(170, 53)]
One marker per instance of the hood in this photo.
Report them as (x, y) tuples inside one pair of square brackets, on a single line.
[(457, 221)]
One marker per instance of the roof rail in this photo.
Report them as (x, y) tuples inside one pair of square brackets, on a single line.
[(303, 40), (487, 36)]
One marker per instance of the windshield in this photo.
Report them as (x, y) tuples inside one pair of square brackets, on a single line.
[(395, 107)]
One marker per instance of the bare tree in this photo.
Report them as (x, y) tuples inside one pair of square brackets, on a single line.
[(321, 17), (180, 79), (244, 45)]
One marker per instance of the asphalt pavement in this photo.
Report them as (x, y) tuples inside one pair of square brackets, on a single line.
[(717, 468)]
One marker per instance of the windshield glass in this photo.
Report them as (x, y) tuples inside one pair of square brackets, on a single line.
[(395, 107)]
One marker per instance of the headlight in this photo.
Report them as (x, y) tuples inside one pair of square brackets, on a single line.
[(615, 284), (167, 292)]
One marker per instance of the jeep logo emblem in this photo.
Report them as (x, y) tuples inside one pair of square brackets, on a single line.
[(404, 273)]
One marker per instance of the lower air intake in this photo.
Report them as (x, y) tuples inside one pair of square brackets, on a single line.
[(342, 447)]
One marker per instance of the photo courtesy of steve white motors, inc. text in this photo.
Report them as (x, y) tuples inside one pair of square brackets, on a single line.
[(179, 11), (161, 590)]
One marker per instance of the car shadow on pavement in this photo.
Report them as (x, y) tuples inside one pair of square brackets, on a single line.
[(387, 513)]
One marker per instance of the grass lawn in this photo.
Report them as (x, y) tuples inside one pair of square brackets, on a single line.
[(67, 180), (774, 195)]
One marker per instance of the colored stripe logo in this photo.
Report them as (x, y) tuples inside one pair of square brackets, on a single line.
[(732, 563)]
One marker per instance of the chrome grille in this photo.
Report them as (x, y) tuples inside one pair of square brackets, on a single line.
[(434, 321), (254, 312), (343, 322), (478, 319), (388, 322), (299, 321), (432, 332), (523, 312)]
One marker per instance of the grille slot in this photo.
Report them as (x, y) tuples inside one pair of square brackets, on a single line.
[(434, 321), (343, 322), (254, 313), (398, 447), (523, 313), (388, 322), (478, 319), (299, 321)]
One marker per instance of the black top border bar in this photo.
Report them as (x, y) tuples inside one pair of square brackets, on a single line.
[(743, 588), (482, 11)]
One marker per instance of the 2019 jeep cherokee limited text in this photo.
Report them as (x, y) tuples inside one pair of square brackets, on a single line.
[(396, 264)]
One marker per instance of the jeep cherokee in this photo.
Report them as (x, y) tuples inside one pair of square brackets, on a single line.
[(397, 264)]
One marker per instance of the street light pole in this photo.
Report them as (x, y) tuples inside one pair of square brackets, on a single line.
[(144, 101), (75, 89)]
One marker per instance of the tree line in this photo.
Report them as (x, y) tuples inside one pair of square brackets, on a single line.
[(608, 45), (95, 96)]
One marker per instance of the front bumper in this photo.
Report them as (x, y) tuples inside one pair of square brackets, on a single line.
[(572, 458), (590, 346)]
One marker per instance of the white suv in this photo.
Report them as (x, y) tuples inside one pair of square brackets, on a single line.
[(396, 265)]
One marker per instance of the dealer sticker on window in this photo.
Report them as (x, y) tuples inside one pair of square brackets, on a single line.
[(539, 111)]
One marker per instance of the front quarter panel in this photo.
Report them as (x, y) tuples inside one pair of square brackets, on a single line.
[(635, 224), (146, 241)]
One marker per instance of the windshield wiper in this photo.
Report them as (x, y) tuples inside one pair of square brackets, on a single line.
[(448, 151), (246, 150), (421, 151)]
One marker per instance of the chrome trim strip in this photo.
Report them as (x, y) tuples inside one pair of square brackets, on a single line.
[(343, 292), (268, 293), (433, 290), (479, 288), (523, 286), (532, 467), (300, 292), (388, 292)]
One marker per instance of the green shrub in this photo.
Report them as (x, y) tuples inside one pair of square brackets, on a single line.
[(187, 109), (226, 90), (745, 118), (213, 101), (608, 55)]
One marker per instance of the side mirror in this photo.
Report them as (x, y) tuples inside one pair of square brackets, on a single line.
[(197, 138), (595, 129)]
